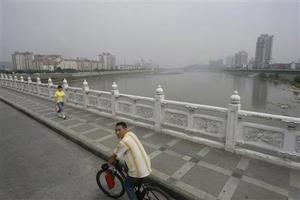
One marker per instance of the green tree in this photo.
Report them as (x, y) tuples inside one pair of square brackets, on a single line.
[(263, 76), (297, 79)]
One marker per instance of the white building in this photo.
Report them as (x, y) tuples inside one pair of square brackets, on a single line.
[(230, 62), (263, 53), (23, 60), (47, 62), (68, 64), (251, 63), (108, 61), (84, 64), (241, 59)]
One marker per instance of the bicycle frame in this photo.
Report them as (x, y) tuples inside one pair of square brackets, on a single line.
[(140, 188)]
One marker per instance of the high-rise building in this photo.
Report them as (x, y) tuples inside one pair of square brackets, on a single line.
[(263, 53), (108, 61), (241, 59), (22, 60), (229, 61), (251, 63)]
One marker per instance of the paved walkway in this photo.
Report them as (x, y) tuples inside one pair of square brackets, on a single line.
[(195, 170)]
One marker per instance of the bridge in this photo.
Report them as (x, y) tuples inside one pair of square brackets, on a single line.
[(197, 151)]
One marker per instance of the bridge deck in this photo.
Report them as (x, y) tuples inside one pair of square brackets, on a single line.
[(200, 171)]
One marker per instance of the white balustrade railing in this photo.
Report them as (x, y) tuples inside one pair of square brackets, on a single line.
[(251, 133)]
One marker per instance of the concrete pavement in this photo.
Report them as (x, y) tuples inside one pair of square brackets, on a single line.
[(38, 164), (193, 170)]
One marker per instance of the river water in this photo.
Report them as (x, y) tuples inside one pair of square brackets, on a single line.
[(209, 88)]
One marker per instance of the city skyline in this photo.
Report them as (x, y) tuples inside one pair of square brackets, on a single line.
[(172, 34)]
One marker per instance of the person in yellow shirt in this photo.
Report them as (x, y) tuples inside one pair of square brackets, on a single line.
[(60, 98), (132, 151)]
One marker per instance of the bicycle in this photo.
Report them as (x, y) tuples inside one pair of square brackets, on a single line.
[(111, 182)]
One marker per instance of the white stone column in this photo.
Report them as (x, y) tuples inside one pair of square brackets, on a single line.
[(16, 82), (114, 95), (1, 81), (85, 90), (159, 97), (65, 84), (22, 83), (50, 84), (232, 121), (29, 81), (10, 81), (6, 80), (38, 85)]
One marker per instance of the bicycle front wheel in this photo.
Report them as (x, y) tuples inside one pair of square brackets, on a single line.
[(115, 192), (154, 193)]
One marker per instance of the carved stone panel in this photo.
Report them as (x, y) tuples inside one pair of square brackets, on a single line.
[(34, 89), (297, 145), (92, 101), (79, 98), (72, 96), (106, 104), (207, 125), (261, 136), (176, 118), (144, 112), (44, 91), (125, 108)]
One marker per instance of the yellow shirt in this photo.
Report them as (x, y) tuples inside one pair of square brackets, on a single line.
[(135, 156), (59, 96)]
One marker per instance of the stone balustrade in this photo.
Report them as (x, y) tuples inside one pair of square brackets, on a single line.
[(273, 138)]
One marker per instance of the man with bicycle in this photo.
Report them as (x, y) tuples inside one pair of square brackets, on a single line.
[(132, 151)]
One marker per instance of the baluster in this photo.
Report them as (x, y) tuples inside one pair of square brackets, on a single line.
[(232, 121)]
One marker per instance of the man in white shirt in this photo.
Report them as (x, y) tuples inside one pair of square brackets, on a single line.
[(131, 149)]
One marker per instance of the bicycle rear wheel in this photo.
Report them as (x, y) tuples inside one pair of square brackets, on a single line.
[(115, 192), (154, 193)]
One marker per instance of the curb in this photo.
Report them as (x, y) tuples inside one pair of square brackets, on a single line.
[(173, 191)]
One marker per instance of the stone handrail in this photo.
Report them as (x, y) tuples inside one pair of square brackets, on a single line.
[(274, 138)]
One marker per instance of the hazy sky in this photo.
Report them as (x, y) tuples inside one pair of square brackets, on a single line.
[(171, 33)]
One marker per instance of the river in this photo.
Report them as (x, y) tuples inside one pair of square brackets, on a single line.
[(209, 88)]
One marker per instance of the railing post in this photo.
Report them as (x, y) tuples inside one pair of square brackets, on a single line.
[(85, 93), (10, 81), (232, 121), (16, 82), (38, 85), (29, 81), (114, 95), (65, 87), (6, 80), (159, 96), (22, 83), (65, 84), (50, 84), (1, 81)]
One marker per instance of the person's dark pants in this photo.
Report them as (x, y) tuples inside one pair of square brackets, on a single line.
[(60, 107), (130, 182)]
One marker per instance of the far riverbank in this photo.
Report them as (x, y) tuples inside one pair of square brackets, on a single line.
[(285, 77), (78, 75)]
